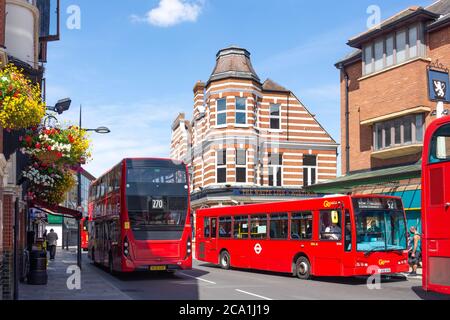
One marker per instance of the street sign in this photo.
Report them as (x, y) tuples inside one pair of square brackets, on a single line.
[(439, 82)]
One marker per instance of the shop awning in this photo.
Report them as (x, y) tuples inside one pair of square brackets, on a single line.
[(347, 183), (55, 210)]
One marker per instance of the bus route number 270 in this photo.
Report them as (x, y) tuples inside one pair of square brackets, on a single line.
[(157, 204)]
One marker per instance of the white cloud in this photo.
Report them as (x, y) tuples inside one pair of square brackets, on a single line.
[(172, 12)]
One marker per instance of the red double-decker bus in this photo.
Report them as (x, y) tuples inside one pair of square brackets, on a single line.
[(436, 207), (333, 236), (141, 217)]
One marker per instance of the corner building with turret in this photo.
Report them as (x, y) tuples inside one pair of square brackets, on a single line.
[(249, 141)]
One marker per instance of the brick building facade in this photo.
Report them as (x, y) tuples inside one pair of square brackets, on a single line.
[(24, 33), (385, 105), (249, 135)]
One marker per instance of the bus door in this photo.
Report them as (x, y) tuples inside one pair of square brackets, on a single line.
[(330, 247), (209, 245), (349, 243)]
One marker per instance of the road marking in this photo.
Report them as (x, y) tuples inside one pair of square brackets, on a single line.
[(252, 294), (198, 278)]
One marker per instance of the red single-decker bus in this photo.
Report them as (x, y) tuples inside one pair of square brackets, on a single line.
[(332, 236)]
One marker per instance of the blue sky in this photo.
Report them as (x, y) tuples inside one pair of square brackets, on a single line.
[(133, 64)]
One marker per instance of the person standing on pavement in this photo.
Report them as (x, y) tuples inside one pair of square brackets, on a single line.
[(52, 239), (415, 249)]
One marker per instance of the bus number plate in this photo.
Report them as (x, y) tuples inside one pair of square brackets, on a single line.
[(158, 268), (388, 270)]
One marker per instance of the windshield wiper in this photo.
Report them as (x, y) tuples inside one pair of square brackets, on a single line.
[(398, 251), (375, 249)]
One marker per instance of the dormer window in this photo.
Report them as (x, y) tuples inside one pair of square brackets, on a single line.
[(393, 49)]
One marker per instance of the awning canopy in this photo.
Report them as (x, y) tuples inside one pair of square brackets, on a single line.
[(55, 210), (346, 183)]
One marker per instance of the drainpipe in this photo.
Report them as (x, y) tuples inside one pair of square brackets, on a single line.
[(347, 119)]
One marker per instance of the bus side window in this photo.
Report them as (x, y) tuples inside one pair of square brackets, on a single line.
[(240, 227), (206, 227), (214, 228), (301, 226), (279, 226), (225, 224), (330, 225)]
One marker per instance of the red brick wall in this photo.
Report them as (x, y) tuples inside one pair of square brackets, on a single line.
[(8, 222), (8, 265), (395, 90)]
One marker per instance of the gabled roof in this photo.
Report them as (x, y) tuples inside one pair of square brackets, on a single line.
[(441, 7), (353, 56), (270, 85), (393, 22), (233, 62), (438, 12)]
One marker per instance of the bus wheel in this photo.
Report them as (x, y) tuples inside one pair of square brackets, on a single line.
[(224, 260), (303, 268)]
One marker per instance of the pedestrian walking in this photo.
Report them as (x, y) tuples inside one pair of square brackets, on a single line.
[(52, 239), (414, 250), (45, 243)]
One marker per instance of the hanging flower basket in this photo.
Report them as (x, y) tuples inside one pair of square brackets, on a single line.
[(60, 146), (49, 157), (21, 104), (49, 183)]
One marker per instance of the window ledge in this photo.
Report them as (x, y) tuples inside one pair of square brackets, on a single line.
[(399, 151), (416, 110), (394, 67)]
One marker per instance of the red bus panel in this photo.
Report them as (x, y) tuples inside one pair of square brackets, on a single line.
[(436, 207)]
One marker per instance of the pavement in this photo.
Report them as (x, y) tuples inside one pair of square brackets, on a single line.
[(209, 282), (93, 285)]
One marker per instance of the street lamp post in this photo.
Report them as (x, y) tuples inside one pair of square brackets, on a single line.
[(100, 130)]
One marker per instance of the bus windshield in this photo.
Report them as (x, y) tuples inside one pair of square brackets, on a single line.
[(380, 230), (156, 197)]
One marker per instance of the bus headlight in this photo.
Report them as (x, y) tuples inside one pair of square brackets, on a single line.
[(188, 248), (126, 246)]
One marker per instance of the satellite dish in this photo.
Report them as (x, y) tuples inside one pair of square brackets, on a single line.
[(201, 109)]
